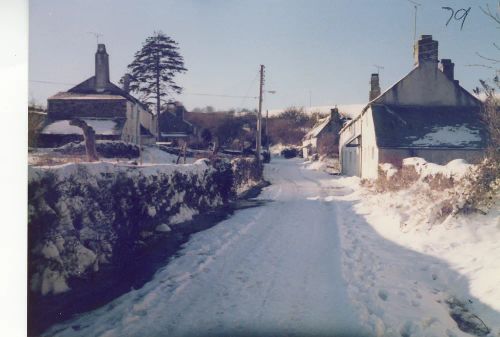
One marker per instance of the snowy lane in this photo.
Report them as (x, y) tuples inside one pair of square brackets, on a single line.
[(272, 270)]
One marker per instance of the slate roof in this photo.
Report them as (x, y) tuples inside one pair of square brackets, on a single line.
[(428, 127), (316, 130), (87, 90), (73, 95)]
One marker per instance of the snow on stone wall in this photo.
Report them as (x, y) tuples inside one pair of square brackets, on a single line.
[(84, 215)]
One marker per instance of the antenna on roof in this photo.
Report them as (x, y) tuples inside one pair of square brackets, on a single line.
[(96, 35), (378, 68), (415, 5)]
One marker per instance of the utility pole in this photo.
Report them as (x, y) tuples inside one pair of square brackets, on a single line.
[(259, 114)]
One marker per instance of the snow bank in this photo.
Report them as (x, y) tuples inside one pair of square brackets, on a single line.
[(84, 215), (412, 268), (456, 168), (154, 155), (323, 164)]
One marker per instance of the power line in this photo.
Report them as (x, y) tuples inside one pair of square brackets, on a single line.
[(185, 93), (217, 95), (52, 82)]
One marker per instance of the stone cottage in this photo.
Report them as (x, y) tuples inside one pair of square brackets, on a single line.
[(173, 125), (426, 114), (111, 111), (324, 135)]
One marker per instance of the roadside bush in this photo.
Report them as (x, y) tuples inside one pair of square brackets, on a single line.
[(403, 178), (482, 189), (246, 170)]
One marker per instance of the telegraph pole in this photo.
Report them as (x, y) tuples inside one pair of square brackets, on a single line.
[(259, 114)]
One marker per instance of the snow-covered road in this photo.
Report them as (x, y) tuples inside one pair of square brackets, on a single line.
[(273, 270)]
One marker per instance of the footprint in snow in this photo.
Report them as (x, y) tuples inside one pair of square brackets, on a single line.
[(383, 294)]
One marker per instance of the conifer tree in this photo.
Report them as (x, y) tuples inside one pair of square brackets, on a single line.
[(152, 72)]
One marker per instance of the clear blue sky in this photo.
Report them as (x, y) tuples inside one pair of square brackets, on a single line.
[(326, 48)]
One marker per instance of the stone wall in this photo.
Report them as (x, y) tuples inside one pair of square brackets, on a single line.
[(83, 216), (69, 108)]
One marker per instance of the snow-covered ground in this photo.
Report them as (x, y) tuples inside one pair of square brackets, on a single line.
[(272, 270), (323, 257), (402, 277)]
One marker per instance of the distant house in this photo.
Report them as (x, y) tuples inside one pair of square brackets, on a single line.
[(173, 125), (426, 114), (324, 134), (111, 111)]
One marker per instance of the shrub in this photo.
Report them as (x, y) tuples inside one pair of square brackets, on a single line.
[(482, 188), (246, 170), (290, 152)]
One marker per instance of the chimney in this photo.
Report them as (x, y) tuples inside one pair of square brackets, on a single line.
[(447, 67), (426, 50), (101, 68), (334, 114), (126, 83), (179, 110), (374, 87)]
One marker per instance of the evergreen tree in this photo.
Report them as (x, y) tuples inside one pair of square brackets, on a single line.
[(153, 70)]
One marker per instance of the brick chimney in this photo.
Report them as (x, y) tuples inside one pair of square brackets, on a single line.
[(426, 50), (101, 68), (374, 87), (448, 68)]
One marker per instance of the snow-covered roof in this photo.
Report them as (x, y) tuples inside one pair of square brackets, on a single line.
[(457, 135), (100, 126), (314, 132), (428, 127)]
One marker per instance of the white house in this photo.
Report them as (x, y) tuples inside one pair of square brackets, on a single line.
[(426, 114)]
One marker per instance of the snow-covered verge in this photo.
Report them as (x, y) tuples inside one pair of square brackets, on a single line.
[(108, 151), (84, 215), (414, 267), (325, 164)]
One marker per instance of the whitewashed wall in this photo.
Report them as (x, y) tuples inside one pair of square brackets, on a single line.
[(369, 149), (427, 85), (350, 157), (131, 129)]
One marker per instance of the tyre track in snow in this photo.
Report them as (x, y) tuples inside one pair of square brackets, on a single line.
[(271, 270)]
